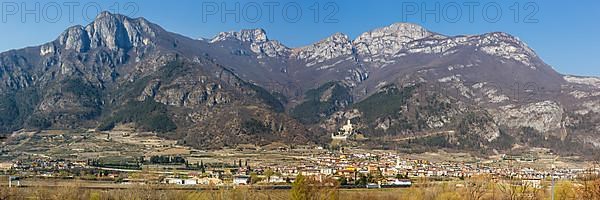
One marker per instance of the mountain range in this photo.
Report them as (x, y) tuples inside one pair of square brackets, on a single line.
[(405, 87)]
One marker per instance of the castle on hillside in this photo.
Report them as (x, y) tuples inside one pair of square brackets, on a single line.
[(344, 132)]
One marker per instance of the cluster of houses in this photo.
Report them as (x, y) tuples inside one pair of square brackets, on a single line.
[(383, 169), (376, 167)]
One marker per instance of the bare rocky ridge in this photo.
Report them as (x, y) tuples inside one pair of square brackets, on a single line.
[(490, 90)]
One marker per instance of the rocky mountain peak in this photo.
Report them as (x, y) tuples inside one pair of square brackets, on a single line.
[(257, 40), (401, 32), (112, 31), (337, 38), (104, 14), (331, 47), (404, 29), (501, 37), (118, 31), (390, 39), (246, 35), (75, 38), (505, 46)]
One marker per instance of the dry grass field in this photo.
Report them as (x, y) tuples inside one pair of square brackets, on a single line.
[(479, 188)]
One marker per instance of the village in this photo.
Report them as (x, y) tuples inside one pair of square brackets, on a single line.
[(92, 157), (352, 168)]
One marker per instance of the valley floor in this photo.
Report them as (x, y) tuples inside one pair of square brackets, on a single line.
[(125, 165)]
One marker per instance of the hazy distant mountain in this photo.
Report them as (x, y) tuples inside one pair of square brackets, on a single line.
[(395, 82)]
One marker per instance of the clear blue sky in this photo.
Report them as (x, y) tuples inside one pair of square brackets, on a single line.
[(564, 33)]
